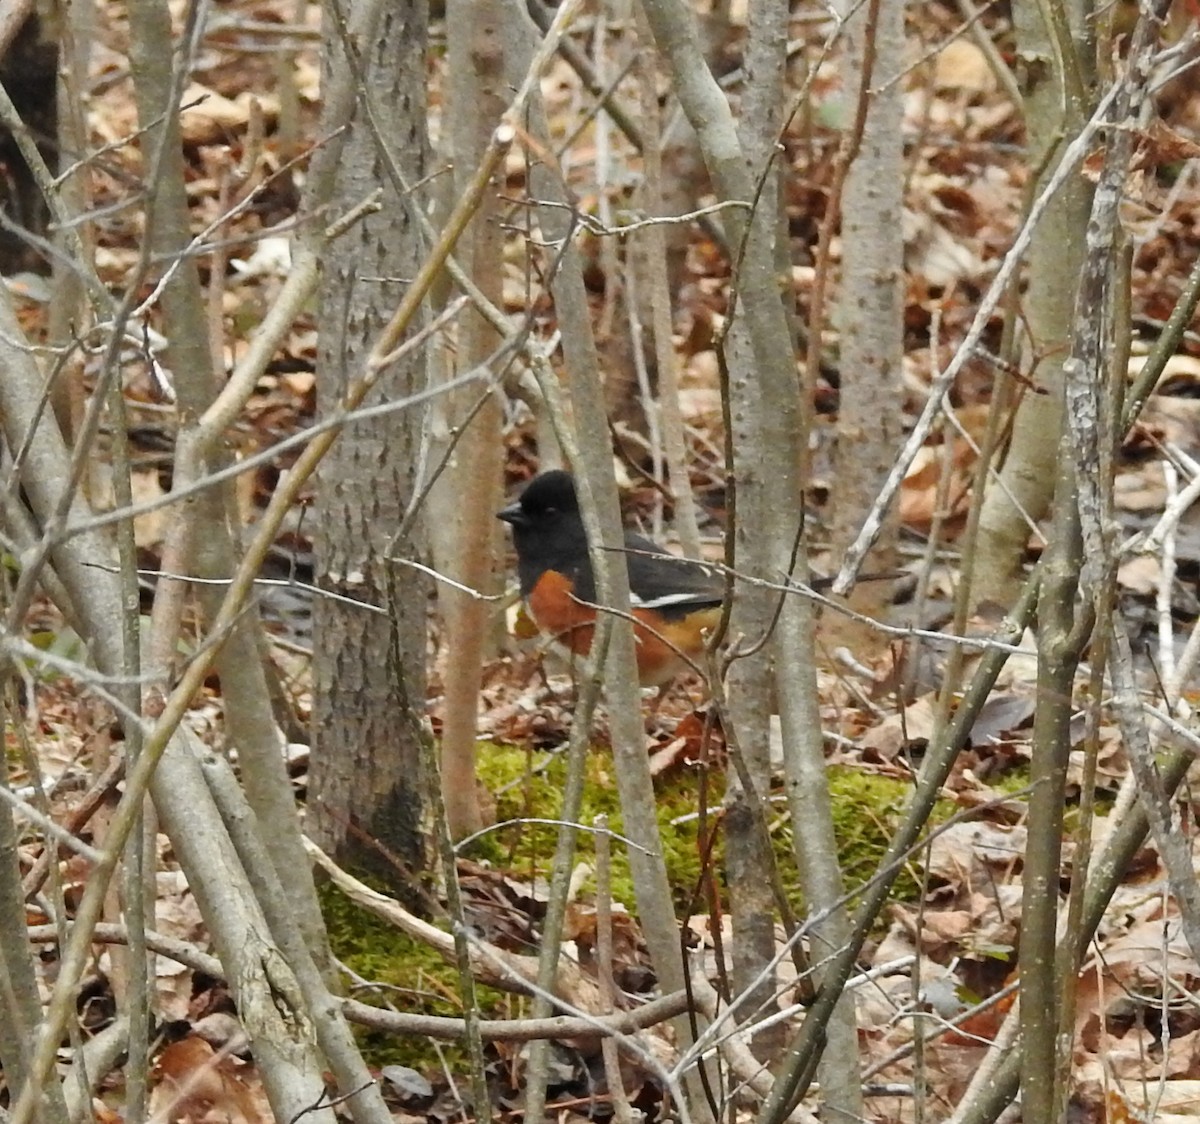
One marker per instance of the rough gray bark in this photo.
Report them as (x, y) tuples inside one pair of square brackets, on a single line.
[(658, 259), (1060, 643), (20, 1010), (869, 309), (369, 678), (750, 693), (271, 1007), (69, 312), (870, 300)]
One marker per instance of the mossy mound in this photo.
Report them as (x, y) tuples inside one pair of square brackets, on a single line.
[(527, 787), (405, 974), (866, 809)]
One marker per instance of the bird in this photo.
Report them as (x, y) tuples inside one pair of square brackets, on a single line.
[(676, 601)]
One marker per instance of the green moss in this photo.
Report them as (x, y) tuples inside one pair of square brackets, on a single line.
[(866, 808), (528, 787), (408, 975), (1012, 781)]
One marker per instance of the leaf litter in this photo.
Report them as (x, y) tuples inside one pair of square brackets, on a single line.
[(1136, 1035)]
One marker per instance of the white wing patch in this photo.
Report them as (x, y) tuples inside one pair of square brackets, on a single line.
[(669, 599)]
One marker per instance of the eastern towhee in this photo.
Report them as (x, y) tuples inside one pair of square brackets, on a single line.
[(676, 601)]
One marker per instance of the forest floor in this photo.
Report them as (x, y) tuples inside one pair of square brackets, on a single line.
[(958, 914)]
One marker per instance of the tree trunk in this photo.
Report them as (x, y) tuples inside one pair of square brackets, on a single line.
[(750, 692), (1057, 76), (368, 667), (468, 494), (870, 305)]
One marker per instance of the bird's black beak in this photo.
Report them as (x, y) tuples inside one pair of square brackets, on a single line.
[(513, 514)]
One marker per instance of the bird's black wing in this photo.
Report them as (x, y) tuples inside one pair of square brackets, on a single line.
[(671, 585)]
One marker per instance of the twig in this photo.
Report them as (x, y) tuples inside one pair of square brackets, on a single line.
[(559, 1027), (604, 961), (735, 1048)]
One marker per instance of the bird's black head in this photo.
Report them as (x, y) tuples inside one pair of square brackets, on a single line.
[(546, 499), (548, 531)]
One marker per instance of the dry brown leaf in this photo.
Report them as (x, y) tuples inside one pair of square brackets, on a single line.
[(961, 65), (931, 251), (1160, 144), (1140, 959), (1140, 574), (918, 494), (975, 855), (194, 1084), (209, 117), (913, 725), (148, 529), (1173, 1102)]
